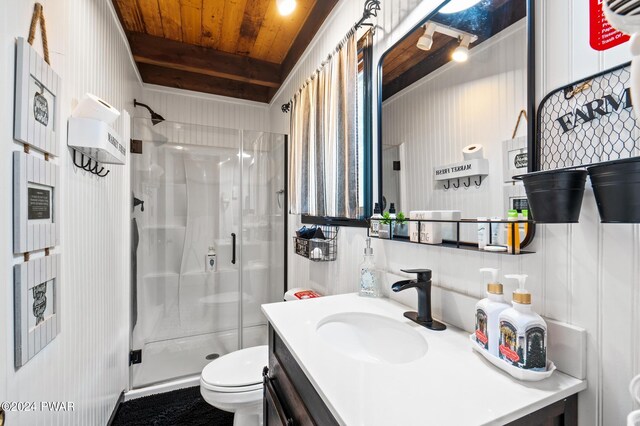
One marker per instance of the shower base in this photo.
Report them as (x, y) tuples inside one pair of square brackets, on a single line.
[(178, 362)]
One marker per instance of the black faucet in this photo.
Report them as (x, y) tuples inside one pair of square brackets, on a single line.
[(423, 286)]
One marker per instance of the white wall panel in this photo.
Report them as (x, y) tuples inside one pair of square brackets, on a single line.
[(207, 110), (87, 362), (586, 274)]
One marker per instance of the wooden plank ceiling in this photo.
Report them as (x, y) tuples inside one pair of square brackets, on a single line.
[(405, 63), (238, 48)]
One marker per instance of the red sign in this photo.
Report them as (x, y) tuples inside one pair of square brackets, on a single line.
[(307, 294), (602, 35)]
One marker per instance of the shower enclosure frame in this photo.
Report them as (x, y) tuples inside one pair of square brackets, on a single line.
[(135, 355)]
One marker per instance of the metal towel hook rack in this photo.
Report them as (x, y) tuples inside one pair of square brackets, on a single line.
[(94, 169)]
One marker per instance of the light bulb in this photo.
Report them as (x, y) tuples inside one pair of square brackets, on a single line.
[(286, 7), (460, 54), (456, 6)]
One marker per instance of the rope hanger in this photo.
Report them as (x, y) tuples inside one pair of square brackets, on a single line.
[(523, 113), (38, 16)]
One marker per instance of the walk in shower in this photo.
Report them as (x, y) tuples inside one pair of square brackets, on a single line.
[(197, 190)]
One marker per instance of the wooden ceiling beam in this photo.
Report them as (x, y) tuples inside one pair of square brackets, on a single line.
[(203, 83), (177, 56)]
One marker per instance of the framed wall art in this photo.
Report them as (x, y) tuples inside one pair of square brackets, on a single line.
[(36, 305), (35, 203), (515, 158), (36, 100)]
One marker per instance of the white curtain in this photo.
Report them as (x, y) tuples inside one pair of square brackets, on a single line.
[(323, 175)]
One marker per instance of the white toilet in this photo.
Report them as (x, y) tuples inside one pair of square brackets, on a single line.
[(233, 383)]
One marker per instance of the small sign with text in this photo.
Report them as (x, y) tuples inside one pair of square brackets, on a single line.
[(602, 35)]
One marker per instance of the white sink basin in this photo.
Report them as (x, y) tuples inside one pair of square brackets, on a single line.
[(374, 338)]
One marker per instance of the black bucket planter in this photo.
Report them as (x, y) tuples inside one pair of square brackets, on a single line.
[(555, 196), (616, 186)]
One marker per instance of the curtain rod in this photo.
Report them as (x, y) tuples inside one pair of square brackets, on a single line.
[(371, 8)]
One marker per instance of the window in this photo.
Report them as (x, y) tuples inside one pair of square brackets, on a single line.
[(364, 143)]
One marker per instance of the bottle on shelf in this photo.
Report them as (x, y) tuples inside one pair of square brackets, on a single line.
[(483, 233), (513, 233), (392, 211), (525, 216), (374, 223)]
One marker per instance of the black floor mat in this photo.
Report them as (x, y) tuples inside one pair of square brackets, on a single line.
[(184, 407)]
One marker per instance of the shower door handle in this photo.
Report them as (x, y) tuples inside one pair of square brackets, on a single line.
[(233, 248)]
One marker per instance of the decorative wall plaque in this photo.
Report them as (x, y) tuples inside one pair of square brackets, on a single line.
[(36, 306), (35, 202), (36, 99), (516, 160)]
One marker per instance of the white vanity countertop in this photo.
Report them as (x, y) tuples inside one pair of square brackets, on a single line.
[(449, 385)]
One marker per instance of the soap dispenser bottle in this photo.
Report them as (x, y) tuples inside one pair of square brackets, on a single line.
[(523, 333), (392, 211), (488, 310), (369, 280), (211, 264), (375, 221)]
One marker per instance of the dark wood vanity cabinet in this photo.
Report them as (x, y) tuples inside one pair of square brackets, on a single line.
[(291, 400), (289, 397)]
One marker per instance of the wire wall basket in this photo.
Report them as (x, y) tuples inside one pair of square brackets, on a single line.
[(588, 122), (319, 249)]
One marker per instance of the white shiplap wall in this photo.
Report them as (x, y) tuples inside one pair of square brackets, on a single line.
[(206, 110), (586, 274), (87, 362)]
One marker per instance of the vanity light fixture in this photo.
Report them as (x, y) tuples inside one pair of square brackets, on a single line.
[(426, 40), (286, 7), (456, 6), (461, 53)]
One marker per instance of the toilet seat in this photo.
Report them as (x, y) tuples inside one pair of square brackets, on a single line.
[(230, 389), (237, 372)]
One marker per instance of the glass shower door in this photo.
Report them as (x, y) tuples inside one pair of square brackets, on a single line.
[(263, 237), (185, 313)]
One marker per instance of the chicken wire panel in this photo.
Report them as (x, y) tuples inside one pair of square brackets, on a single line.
[(588, 122)]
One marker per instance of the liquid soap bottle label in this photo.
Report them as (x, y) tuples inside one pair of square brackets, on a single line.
[(536, 353), (527, 351), (481, 329), (510, 349), (375, 227)]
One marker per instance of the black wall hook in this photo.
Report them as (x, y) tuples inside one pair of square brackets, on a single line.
[(448, 185), (458, 185), (467, 184), (478, 184), (94, 169)]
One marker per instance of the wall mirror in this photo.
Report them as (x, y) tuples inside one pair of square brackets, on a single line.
[(460, 78)]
